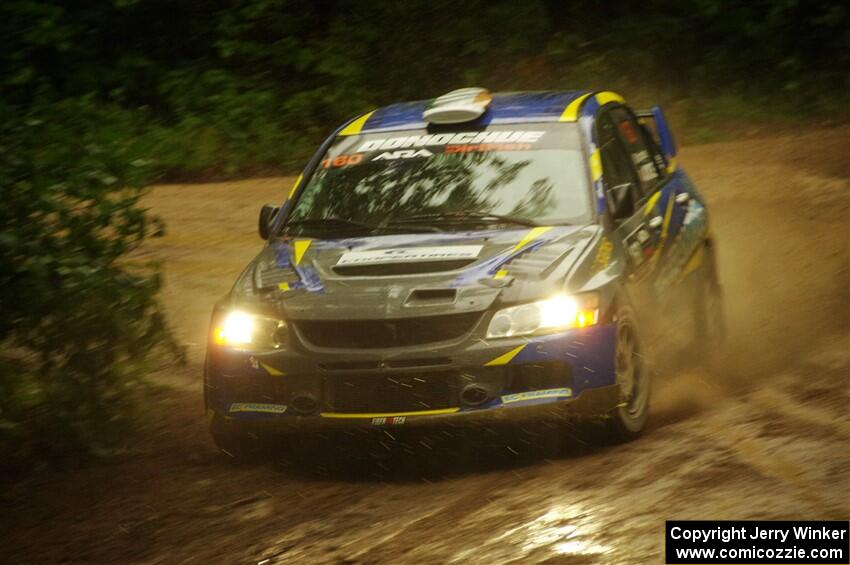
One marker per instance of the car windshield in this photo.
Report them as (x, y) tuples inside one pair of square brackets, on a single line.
[(525, 174)]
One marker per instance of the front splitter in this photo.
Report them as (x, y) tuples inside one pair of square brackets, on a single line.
[(590, 403)]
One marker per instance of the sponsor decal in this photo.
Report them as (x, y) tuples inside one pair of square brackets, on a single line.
[(645, 166), (256, 407), (440, 139), (409, 255), (639, 157), (536, 394), (647, 172), (402, 154), (688, 239), (484, 147), (389, 420)]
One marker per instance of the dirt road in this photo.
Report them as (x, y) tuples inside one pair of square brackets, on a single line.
[(763, 436)]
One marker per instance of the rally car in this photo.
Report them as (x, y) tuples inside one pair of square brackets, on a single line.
[(472, 258)]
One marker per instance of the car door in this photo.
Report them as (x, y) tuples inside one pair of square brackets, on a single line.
[(650, 214), (625, 196), (670, 204)]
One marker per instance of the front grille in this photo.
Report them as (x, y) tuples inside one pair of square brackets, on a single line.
[(397, 393), (372, 334)]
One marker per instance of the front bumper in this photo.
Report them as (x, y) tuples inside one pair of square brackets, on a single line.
[(571, 372), (587, 405)]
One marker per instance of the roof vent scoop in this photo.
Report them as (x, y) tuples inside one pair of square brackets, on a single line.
[(458, 106)]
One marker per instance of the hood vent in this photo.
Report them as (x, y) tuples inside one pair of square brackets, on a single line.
[(538, 262), (272, 276), (392, 269)]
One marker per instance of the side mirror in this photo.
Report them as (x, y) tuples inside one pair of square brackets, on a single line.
[(620, 201), (267, 214)]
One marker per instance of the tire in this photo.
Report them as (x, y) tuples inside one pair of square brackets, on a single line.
[(628, 419)]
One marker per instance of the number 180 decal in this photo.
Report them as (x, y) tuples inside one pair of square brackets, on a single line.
[(343, 161)]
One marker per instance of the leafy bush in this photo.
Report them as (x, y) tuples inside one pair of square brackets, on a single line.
[(79, 320), (236, 87)]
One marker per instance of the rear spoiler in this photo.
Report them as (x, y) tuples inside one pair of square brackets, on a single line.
[(656, 123)]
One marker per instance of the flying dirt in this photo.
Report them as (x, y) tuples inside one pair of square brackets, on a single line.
[(758, 431)]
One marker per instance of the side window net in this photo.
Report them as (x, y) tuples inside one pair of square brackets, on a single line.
[(641, 156), (618, 173), (619, 183)]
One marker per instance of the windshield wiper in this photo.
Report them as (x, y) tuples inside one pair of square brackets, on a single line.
[(330, 222), (343, 223), (462, 216)]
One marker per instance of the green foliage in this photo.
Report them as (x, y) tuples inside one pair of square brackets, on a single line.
[(79, 320), (249, 86)]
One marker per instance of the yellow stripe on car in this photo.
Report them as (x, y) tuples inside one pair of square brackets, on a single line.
[(693, 263), (650, 204), (667, 215), (295, 186), (272, 371), (595, 165), (603, 254), (505, 358), (531, 236), (300, 248), (357, 125), (389, 414), (502, 273), (671, 165), (571, 111), (605, 97)]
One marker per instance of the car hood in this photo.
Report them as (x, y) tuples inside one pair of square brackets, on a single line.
[(397, 276)]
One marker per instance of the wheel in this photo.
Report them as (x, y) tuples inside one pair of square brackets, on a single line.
[(628, 419)]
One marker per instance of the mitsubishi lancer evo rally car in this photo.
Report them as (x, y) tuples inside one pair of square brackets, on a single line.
[(472, 258)]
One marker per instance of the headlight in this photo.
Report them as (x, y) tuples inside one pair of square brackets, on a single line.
[(249, 331), (559, 312)]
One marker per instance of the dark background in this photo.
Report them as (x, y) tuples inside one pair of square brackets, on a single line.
[(224, 87)]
